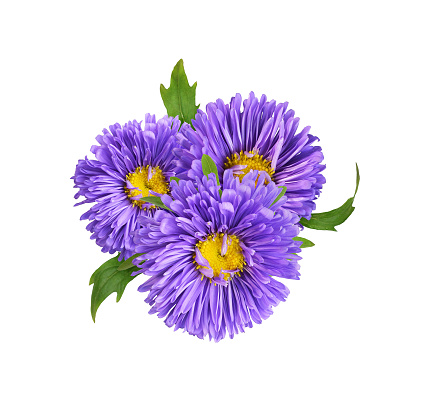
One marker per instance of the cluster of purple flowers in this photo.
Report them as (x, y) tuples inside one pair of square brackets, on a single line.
[(215, 252)]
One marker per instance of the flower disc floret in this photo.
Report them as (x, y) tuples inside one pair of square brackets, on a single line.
[(145, 181), (221, 255), (244, 162)]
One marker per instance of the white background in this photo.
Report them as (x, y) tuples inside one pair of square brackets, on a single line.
[(348, 336)]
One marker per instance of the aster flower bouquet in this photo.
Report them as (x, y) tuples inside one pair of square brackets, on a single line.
[(205, 209)]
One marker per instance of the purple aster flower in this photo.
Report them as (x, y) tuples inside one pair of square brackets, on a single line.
[(131, 163), (214, 260), (262, 137)]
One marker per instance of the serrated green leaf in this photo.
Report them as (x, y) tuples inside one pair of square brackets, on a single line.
[(209, 167), (175, 179), (180, 99), (108, 278), (329, 220), (305, 242), (155, 200), (282, 193)]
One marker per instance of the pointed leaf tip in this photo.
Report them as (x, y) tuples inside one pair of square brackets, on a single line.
[(306, 243), (358, 180), (209, 167), (280, 195), (155, 200)]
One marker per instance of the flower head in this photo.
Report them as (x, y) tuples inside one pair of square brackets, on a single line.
[(131, 163), (214, 260), (262, 137)]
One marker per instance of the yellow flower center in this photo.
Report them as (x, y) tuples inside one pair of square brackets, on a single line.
[(223, 253), (143, 180), (252, 161)]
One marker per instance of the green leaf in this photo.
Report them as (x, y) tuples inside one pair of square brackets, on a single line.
[(282, 193), (155, 200), (175, 179), (128, 263), (109, 278), (305, 242), (180, 99), (328, 220), (209, 167)]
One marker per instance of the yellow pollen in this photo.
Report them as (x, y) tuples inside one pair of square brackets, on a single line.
[(255, 162), (145, 179), (211, 250)]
